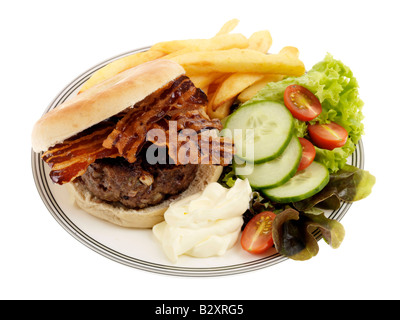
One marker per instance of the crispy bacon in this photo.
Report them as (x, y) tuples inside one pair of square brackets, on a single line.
[(71, 158), (195, 148), (180, 102)]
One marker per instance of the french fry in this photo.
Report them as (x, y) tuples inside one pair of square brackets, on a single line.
[(177, 53), (222, 112), (222, 42), (232, 86), (226, 67), (291, 51), (251, 91), (239, 60), (228, 27), (236, 83), (260, 41), (204, 80), (120, 65)]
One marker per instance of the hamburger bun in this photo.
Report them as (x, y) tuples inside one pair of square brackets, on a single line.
[(102, 101)]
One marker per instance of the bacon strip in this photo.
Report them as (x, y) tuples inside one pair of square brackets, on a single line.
[(181, 101), (71, 158), (194, 148)]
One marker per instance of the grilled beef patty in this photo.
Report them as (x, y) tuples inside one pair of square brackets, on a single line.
[(136, 185)]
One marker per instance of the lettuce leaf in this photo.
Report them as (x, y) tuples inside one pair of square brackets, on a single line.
[(337, 89), (227, 178), (348, 184), (335, 159), (293, 233)]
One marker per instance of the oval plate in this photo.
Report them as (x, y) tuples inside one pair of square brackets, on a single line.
[(138, 248)]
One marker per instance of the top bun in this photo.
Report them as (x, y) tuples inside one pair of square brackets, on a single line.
[(102, 101)]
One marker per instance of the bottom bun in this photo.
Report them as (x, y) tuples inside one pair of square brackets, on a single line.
[(141, 218)]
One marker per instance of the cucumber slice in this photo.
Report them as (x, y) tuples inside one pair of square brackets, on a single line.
[(303, 185), (261, 131), (275, 172)]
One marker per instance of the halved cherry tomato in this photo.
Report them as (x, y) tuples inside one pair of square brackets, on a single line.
[(257, 235), (308, 154), (301, 102), (328, 136)]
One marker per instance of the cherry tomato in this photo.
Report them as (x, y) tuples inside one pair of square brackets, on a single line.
[(257, 235), (301, 102), (328, 136), (308, 154)]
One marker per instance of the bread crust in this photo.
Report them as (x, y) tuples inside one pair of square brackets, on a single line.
[(102, 101), (142, 218)]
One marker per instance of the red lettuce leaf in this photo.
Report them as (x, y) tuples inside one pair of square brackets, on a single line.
[(294, 233)]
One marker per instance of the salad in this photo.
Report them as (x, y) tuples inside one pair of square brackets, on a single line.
[(293, 139)]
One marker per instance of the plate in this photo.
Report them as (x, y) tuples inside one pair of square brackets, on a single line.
[(138, 248)]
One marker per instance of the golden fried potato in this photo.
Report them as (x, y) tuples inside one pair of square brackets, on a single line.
[(226, 67), (222, 112), (120, 65), (239, 60), (251, 91), (221, 42), (291, 51), (228, 27), (177, 53), (260, 41), (232, 86), (202, 81)]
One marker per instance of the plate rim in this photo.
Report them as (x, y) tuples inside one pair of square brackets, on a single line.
[(61, 217)]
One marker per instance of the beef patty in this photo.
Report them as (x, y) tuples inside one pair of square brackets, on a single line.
[(136, 185)]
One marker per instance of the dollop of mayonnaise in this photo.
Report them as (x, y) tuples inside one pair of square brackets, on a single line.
[(205, 224)]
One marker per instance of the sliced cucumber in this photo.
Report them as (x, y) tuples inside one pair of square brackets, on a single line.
[(261, 131), (275, 172), (303, 185)]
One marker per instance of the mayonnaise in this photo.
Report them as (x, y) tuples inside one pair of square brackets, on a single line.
[(205, 224)]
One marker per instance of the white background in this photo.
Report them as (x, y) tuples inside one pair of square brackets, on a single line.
[(47, 44)]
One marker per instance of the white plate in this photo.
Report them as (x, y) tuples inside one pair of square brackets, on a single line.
[(138, 248)]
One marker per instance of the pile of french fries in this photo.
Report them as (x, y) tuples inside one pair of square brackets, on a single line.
[(227, 67)]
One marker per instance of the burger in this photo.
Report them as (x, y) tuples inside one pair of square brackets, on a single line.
[(102, 144)]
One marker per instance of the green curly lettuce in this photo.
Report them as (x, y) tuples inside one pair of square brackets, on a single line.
[(337, 89)]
